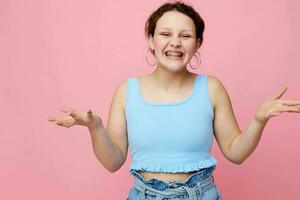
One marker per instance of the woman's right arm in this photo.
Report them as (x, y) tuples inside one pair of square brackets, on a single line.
[(110, 145)]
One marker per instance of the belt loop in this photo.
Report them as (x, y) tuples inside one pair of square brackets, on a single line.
[(191, 192), (145, 193), (158, 197), (200, 188)]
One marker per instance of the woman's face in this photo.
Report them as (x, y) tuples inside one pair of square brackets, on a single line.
[(174, 40)]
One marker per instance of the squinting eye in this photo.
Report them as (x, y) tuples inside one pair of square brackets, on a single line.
[(187, 36), (165, 34)]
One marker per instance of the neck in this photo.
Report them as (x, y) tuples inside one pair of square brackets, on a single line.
[(171, 81)]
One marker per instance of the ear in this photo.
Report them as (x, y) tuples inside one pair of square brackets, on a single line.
[(199, 43), (151, 44)]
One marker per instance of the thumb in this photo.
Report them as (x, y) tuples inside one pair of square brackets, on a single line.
[(280, 92), (90, 114)]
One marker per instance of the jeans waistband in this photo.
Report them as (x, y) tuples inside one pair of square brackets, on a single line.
[(199, 176)]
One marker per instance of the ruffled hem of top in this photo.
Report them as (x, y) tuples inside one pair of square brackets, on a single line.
[(173, 167)]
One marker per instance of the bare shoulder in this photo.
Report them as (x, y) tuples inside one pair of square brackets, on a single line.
[(214, 82), (215, 87), (121, 92)]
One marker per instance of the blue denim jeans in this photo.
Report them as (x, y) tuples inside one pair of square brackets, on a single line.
[(200, 185)]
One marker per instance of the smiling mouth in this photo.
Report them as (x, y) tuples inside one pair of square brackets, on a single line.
[(174, 54)]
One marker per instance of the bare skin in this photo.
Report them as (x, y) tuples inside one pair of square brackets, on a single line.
[(74, 117), (93, 121), (166, 177), (171, 82), (273, 106)]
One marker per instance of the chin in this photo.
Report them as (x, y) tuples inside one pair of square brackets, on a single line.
[(175, 68)]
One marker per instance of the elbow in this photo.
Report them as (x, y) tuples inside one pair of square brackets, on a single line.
[(237, 161), (112, 165), (113, 169)]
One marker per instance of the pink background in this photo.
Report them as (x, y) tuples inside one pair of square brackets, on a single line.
[(74, 53)]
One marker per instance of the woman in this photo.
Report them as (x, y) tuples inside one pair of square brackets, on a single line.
[(170, 116)]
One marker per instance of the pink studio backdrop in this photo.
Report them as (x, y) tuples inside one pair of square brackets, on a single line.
[(74, 53)]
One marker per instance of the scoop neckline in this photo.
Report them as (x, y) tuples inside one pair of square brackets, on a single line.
[(167, 104)]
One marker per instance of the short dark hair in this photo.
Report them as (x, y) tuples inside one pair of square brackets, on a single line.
[(180, 7)]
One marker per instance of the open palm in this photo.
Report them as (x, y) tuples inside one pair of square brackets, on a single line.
[(74, 117), (274, 106)]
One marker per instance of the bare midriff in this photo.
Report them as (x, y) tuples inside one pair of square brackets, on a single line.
[(166, 176)]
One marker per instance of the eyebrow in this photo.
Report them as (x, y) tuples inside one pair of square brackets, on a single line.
[(182, 30)]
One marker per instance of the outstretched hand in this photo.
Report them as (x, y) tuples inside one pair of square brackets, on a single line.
[(274, 106), (74, 117)]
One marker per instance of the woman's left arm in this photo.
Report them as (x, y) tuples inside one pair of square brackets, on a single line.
[(235, 145)]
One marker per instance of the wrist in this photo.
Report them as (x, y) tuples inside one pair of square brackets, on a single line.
[(260, 122), (96, 124)]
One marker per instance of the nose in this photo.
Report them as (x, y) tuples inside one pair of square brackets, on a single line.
[(175, 41)]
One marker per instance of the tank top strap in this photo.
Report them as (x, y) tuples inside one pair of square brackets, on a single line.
[(203, 92), (132, 91), (202, 83), (198, 83)]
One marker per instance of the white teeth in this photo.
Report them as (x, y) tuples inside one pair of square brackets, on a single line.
[(174, 53)]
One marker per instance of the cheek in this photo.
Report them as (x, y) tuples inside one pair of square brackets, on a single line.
[(160, 44), (190, 47)]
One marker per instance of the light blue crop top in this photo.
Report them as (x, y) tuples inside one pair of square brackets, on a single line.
[(173, 137)]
